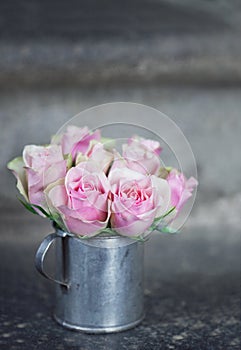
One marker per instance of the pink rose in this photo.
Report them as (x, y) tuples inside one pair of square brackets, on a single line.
[(82, 199), (137, 200), (17, 167), (181, 188), (98, 154), (40, 166), (153, 146), (77, 140), (142, 155)]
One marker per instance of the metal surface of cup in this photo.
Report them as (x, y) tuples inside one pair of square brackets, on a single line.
[(105, 283)]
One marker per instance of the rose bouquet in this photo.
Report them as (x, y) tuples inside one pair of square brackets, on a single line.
[(85, 186)]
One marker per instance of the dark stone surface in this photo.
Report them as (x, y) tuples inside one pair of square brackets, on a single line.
[(192, 293)]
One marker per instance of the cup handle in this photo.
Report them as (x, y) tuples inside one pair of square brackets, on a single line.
[(40, 255)]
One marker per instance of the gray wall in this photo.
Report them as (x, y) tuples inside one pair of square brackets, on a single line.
[(187, 65)]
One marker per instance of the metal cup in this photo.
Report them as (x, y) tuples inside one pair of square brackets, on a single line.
[(99, 281)]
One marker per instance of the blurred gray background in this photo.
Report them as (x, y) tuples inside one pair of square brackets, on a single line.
[(58, 58), (182, 57)]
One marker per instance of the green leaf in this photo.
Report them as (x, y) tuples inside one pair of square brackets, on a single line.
[(58, 224), (31, 207), (108, 143), (42, 211), (28, 206), (167, 229), (53, 217), (69, 160), (168, 212), (157, 220), (109, 230), (83, 237), (80, 158)]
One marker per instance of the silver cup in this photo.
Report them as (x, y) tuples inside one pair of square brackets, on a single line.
[(99, 281)]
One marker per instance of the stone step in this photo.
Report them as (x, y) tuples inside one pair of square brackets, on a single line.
[(142, 41)]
